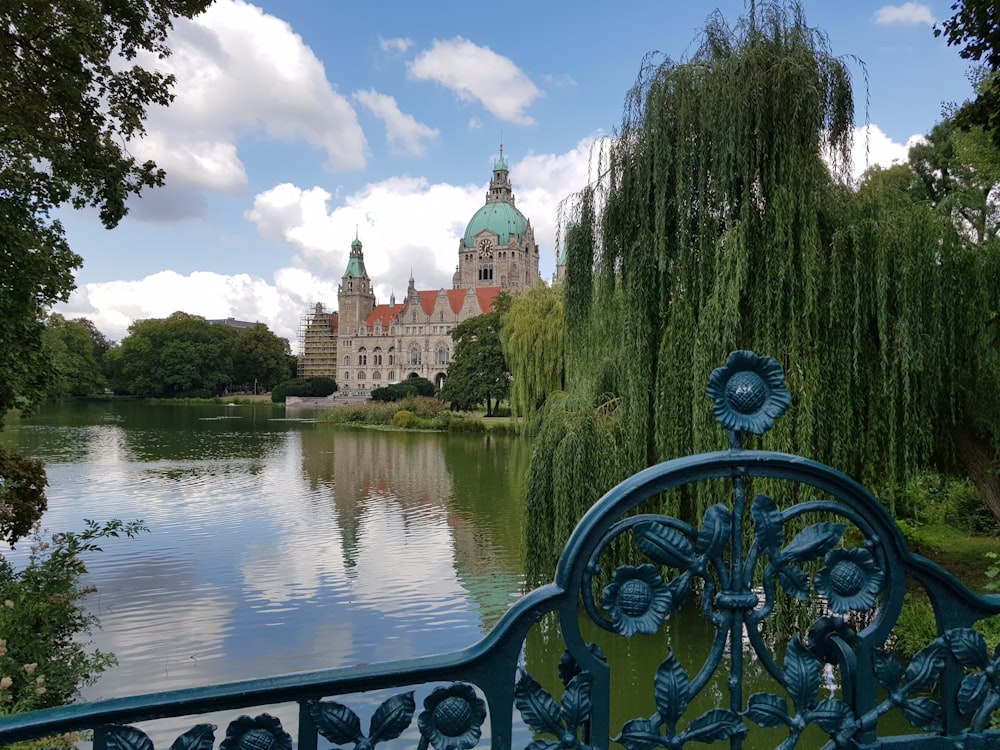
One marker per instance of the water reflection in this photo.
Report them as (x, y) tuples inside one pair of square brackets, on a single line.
[(279, 546)]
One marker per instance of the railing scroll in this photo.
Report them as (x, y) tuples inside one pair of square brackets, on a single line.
[(789, 538)]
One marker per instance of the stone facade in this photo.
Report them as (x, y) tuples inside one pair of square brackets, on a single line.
[(381, 344)]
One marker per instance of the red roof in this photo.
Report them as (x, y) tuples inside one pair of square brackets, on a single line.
[(487, 296), (383, 313)]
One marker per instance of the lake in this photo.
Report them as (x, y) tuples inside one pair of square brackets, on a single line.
[(278, 544)]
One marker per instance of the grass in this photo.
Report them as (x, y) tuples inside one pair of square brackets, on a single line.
[(961, 553)]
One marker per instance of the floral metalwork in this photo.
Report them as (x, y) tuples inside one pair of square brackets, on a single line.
[(637, 600), (121, 737), (541, 712), (749, 393), (452, 718), (850, 580), (673, 692), (263, 732), (341, 725)]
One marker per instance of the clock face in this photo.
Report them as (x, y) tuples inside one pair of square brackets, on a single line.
[(486, 248)]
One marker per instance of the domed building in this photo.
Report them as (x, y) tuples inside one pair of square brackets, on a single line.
[(380, 344)]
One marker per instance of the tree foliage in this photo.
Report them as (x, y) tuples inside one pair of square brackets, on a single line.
[(260, 358), (722, 220), (478, 373), (414, 385), (532, 338), (74, 358), (179, 356), (319, 387), (974, 27)]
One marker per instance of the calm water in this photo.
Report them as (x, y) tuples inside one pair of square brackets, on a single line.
[(279, 545)]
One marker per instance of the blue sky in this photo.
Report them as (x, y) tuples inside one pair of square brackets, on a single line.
[(296, 121)]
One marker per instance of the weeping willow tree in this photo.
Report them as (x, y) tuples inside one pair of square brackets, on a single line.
[(722, 219), (532, 339)]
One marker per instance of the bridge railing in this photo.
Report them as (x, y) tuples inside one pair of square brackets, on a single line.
[(798, 573)]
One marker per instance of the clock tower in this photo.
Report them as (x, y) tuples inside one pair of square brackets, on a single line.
[(498, 248)]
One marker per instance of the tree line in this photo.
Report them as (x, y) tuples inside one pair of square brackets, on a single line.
[(181, 356)]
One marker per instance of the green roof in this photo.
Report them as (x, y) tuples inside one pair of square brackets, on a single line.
[(353, 268), (500, 218)]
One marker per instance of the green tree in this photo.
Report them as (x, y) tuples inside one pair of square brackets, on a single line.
[(958, 172), (478, 373), (532, 336), (74, 364), (180, 356), (260, 359), (722, 227), (974, 27), (71, 102)]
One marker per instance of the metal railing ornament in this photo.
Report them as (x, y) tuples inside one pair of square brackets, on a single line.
[(815, 535)]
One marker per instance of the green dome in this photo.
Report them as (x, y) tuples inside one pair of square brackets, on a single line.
[(500, 218)]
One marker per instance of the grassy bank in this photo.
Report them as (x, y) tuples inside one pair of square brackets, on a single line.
[(414, 413)]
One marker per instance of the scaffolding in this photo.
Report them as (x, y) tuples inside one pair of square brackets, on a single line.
[(318, 343)]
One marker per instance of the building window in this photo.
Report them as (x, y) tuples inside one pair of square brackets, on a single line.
[(441, 315), (347, 375), (376, 375), (361, 375), (442, 355), (378, 328), (347, 360), (377, 356), (415, 355), (362, 356), (392, 356)]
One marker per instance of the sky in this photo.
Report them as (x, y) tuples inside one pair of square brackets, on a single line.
[(298, 125)]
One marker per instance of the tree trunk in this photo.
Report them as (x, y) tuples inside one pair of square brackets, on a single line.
[(978, 458)]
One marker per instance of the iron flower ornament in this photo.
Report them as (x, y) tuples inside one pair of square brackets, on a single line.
[(263, 732), (637, 600), (749, 393), (452, 718), (850, 580)]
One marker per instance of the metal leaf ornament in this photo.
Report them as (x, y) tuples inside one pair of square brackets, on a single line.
[(124, 737), (749, 393), (672, 691), (341, 725), (979, 693), (541, 712), (802, 679)]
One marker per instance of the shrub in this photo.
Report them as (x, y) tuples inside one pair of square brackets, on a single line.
[(318, 387), (44, 658), (404, 419)]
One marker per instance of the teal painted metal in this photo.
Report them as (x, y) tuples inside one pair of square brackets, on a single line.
[(748, 558)]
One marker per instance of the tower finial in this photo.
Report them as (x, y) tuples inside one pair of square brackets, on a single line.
[(356, 226)]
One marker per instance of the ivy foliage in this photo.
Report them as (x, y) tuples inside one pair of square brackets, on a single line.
[(722, 218)]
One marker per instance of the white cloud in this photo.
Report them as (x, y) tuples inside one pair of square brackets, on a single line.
[(477, 73), (398, 45), (402, 131), (907, 13), (241, 70), (114, 305), (475, 123), (873, 147)]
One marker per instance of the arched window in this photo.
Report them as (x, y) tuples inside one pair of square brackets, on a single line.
[(377, 356), (441, 315), (361, 374), (376, 375), (415, 355), (378, 328), (347, 360), (347, 375), (362, 356), (442, 354)]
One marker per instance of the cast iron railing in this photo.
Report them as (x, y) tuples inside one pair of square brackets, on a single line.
[(809, 540)]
